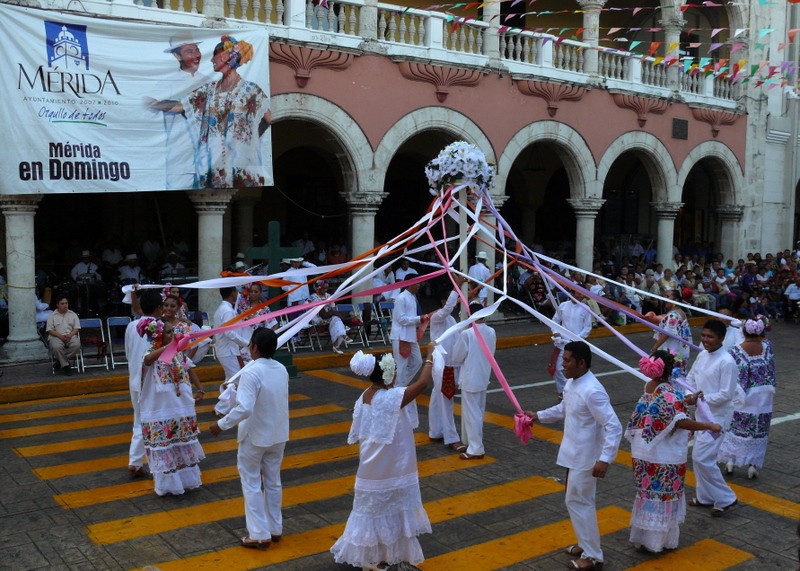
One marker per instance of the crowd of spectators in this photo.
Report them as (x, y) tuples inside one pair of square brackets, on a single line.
[(767, 285)]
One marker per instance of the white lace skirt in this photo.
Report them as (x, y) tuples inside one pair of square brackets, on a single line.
[(655, 524), (386, 519)]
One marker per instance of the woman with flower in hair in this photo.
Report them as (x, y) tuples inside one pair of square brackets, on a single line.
[(676, 323), (167, 414), (227, 118), (387, 511), (659, 437), (745, 442)]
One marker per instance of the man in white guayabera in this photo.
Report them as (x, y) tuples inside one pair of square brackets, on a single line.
[(179, 153)]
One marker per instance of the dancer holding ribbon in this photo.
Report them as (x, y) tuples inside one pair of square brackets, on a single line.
[(387, 511), (715, 375), (658, 433), (592, 433)]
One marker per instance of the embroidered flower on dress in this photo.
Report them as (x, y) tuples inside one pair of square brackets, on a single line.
[(388, 366)]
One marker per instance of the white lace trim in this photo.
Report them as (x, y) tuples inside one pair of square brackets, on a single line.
[(742, 451), (657, 515), (376, 422), (174, 457)]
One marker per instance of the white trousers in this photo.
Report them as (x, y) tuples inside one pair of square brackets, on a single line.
[(473, 405), (711, 487), (407, 369), (260, 474), (230, 364), (581, 487), (136, 453), (559, 377), (441, 423)]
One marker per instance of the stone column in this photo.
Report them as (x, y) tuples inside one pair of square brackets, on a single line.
[(23, 342), (363, 206), (368, 20), (244, 222), (491, 38), (591, 33), (586, 210), (214, 11), (672, 37), (210, 206), (491, 255), (666, 212), (729, 216)]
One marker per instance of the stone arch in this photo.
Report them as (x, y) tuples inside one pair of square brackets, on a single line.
[(655, 157), (357, 149), (571, 148), (725, 167), (426, 119)]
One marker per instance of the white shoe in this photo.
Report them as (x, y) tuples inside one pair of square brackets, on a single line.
[(752, 472), (337, 350), (729, 468)]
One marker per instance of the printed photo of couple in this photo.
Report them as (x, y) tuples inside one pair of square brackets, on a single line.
[(213, 125)]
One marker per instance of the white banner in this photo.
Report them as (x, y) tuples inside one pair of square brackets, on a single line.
[(112, 106)]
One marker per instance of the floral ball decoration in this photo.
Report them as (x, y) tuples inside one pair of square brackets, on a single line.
[(152, 328), (460, 162), (388, 366)]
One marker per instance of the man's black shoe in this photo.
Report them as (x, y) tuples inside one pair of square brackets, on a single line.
[(67, 370)]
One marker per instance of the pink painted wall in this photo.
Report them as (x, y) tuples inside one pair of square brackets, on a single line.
[(376, 95)]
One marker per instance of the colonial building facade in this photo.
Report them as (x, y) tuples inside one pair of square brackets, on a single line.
[(591, 142)]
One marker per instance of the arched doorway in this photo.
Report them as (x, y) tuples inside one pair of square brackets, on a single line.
[(697, 227)]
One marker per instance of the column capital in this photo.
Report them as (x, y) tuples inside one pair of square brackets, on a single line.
[(364, 202), (19, 203), (586, 207), (591, 4), (731, 212), (674, 23), (211, 201), (499, 200), (667, 210)]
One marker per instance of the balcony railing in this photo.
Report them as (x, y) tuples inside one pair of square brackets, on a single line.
[(434, 36)]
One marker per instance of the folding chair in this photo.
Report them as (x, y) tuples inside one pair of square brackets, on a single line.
[(378, 328), (93, 336), (355, 323), (115, 340), (304, 338), (75, 362), (385, 309)]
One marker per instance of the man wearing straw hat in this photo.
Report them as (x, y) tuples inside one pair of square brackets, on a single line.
[(179, 146), (478, 272)]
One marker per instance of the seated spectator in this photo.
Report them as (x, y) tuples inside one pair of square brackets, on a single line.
[(792, 295), (668, 281), (650, 286), (130, 273), (172, 266), (62, 330), (86, 268)]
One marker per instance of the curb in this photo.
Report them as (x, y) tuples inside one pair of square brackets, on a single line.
[(306, 362)]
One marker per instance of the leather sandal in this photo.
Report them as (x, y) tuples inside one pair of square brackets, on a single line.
[(467, 456), (262, 544), (698, 504), (719, 512), (457, 446), (276, 538), (587, 564), (574, 550)]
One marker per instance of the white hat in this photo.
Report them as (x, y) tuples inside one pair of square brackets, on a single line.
[(85, 254), (172, 254), (286, 260), (297, 259), (130, 257), (180, 39), (239, 255), (481, 256), (239, 265)]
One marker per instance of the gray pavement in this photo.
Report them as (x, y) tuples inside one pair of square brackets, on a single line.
[(66, 502)]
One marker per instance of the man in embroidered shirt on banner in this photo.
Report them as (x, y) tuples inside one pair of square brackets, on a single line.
[(592, 433)]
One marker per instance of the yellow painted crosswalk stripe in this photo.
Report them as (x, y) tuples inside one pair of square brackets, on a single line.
[(85, 409), (705, 555), (109, 463), (86, 443), (321, 539), (129, 490), (26, 404), (151, 524), (83, 424), (519, 547)]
